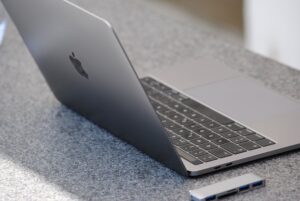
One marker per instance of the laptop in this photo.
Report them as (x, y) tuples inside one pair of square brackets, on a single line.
[(195, 119)]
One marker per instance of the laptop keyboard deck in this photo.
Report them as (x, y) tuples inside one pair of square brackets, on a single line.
[(199, 133)]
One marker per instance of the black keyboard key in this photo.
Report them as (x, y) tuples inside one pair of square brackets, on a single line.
[(202, 131), (182, 132), (220, 141), (235, 126), (176, 117), (194, 126), (235, 149), (198, 152), (255, 137), (207, 146), (172, 126), (190, 136), (221, 119), (207, 158), (193, 115), (249, 145), (211, 124), (195, 105), (220, 130), (173, 136), (176, 106), (239, 140), (179, 97), (202, 120), (188, 157), (220, 153), (199, 140), (164, 121), (245, 132), (188, 147), (168, 112), (229, 134), (265, 142), (180, 142), (210, 136)]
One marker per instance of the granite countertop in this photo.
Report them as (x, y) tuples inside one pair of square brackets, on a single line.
[(47, 152)]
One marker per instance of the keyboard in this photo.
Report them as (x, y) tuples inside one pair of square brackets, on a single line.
[(199, 134)]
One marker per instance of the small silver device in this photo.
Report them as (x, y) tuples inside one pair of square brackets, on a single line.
[(228, 187)]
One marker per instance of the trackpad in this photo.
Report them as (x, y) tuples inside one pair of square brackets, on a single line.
[(243, 99)]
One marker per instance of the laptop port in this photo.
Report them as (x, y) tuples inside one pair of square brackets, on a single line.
[(244, 188), (228, 193), (228, 164), (210, 198), (257, 184), (218, 167)]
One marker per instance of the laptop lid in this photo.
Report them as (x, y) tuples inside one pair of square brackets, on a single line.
[(87, 69)]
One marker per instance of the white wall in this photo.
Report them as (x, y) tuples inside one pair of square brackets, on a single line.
[(272, 28)]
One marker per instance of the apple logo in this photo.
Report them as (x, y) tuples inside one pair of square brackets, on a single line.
[(78, 65)]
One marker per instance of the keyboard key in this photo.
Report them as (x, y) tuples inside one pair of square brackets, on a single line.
[(207, 158), (239, 140), (235, 149), (220, 153), (221, 119), (220, 130), (220, 141), (194, 126), (176, 106), (255, 137), (193, 115), (198, 152), (245, 132), (265, 142), (188, 157), (188, 147), (199, 141), (207, 146), (229, 134), (202, 120), (172, 126), (235, 126), (195, 105), (249, 145), (190, 136), (210, 136), (180, 142), (182, 132), (211, 124), (176, 117), (202, 131)]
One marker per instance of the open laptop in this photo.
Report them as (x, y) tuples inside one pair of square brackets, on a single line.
[(196, 119)]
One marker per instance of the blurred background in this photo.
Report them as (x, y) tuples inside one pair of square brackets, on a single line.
[(269, 27)]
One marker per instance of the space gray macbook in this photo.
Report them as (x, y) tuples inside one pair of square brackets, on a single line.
[(195, 118)]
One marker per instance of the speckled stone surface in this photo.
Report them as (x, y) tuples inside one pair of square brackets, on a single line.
[(48, 152)]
